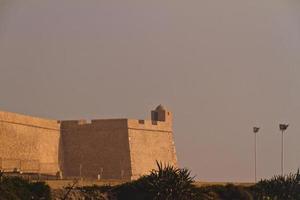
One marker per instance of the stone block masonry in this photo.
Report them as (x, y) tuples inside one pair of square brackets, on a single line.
[(29, 144), (122, 149), (97, 148)]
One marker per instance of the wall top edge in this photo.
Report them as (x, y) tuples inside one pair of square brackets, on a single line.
[(56, 124), (93, 121), (16, 118), (150, 125)]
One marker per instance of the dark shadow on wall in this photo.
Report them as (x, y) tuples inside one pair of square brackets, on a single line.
[(61, 155)]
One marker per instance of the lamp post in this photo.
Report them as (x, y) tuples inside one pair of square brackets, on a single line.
[(282, 128), (255, 131)]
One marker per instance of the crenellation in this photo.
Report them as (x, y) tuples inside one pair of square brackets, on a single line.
[(149, 125), (110, 123), (83, 122)]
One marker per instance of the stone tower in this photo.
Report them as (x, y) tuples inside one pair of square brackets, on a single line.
[(151, 141), (161, 114)]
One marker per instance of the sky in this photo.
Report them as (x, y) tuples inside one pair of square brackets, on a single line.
[(221, 67)]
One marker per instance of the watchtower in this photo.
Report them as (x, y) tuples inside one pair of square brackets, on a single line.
[(161, 114)]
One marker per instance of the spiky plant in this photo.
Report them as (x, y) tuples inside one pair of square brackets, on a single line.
[(164, 183), (168, 182), (279, 188)]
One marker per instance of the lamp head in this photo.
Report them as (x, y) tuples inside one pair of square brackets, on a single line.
[(283, 127), (255, 129)]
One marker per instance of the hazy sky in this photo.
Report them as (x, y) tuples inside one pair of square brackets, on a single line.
[(220, 66)]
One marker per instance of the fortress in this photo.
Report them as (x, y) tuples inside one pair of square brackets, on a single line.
[(103, 148)]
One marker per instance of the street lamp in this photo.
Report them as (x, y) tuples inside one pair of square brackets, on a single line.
[(255, 131), (282, 128)]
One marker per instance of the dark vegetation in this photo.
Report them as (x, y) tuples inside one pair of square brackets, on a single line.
[(279, 187), (165, 183), (15, 188)]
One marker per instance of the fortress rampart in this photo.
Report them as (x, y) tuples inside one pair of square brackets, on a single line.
[(106, 149), (96, 148), (29, 144), (150, 141)]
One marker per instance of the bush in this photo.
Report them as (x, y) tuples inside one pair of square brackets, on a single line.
[(165, 183), (278, 188), (228, 192), (170, 183), (15, 188), (94, 192)]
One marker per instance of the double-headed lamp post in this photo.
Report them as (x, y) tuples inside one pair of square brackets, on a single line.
[(255, 131), (282, 128)]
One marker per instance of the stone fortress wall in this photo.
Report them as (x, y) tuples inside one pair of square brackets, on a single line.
[(29, 144), (109, 148), (96, 148), (151, 141)]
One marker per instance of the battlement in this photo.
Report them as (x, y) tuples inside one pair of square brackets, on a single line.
[(95, 123), (118, 124), (149, 125)]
